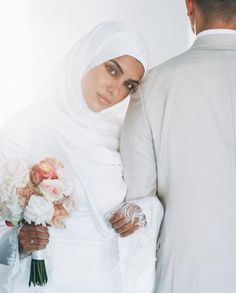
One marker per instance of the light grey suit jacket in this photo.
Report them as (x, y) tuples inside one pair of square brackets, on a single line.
[(179, 139)]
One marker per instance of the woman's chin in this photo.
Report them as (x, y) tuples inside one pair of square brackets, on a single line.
[(96, 108)]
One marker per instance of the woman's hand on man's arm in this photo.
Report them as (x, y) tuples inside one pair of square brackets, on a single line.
[(127, 219)]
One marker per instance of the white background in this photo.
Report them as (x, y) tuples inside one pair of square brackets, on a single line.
[(35, 34)]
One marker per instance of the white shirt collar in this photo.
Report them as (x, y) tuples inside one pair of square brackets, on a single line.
[(216, 32)]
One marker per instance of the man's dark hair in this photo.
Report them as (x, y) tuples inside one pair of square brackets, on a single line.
[(224, 10)]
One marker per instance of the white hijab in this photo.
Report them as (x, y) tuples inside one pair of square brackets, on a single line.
[(62, 103)]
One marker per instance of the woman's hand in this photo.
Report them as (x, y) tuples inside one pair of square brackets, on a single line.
[(33, 237), (127, 219), (122, 226)]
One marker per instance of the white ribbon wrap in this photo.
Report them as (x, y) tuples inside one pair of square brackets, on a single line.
[(38, 254)]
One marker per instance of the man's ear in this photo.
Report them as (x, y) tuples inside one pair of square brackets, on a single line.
[(189, 6)]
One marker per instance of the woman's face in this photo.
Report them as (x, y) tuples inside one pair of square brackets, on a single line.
[(111, 82)]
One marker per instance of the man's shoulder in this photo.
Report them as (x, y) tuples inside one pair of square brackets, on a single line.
[(165, 73), (171, 66)]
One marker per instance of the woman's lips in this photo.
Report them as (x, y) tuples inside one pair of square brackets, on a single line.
[(104, 100)]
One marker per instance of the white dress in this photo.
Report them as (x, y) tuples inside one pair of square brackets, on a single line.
[(79, 259), (88, 256), (82, 258)]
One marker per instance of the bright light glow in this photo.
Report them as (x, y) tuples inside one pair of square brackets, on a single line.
[(35, 35), (15, 58)]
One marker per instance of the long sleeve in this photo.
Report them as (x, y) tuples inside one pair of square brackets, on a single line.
[(138, 251), (9, 254), (137, 151)]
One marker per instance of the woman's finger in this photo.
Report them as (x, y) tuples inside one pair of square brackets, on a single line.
[(39, 228), (126, 227), (120, 223), (34, 234), (129, 232), (116, 217), (32, 244)]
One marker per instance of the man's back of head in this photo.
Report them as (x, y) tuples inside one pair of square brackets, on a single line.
[(210, 14), (224, 10)]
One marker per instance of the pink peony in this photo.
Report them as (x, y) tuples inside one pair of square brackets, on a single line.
[(43, 170), (55, 163)]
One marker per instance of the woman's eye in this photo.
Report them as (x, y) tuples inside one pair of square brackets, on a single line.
[(111, 70), (130, 86)]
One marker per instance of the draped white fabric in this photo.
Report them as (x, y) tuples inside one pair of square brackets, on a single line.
[(59, 124)]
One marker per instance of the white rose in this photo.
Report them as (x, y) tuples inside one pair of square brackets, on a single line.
[(15, 174), (39, 210), (14, 207), (7, 190), (16, 171), (52, 189), (11, 211)]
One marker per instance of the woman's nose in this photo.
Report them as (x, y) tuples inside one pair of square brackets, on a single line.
[(113, 90), (110, 91)]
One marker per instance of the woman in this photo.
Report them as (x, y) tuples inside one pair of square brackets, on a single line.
[(73, 122)]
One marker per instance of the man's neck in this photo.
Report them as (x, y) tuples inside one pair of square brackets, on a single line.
[(217, 25)]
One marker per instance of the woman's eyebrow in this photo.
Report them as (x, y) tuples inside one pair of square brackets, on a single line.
[(118, 66), (134, 81), (122, 71)]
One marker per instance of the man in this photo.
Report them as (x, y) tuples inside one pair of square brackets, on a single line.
[(179, 141)]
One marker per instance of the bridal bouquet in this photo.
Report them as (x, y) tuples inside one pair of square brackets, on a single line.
[(41, 195)]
